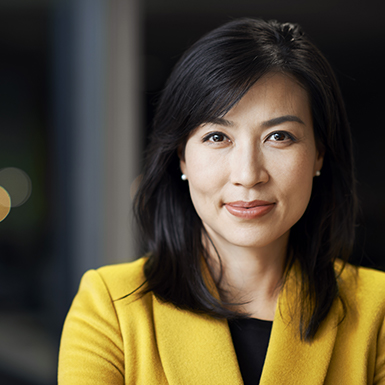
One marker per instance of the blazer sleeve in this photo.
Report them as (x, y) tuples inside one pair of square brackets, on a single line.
[(91, 349), (379, 377)]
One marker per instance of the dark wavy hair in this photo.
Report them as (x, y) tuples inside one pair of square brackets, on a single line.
[(209, 79)]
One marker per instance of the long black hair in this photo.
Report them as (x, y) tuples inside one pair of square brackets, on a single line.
[(209, 79)]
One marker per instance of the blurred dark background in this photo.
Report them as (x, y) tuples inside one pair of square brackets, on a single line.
[(79, 80)]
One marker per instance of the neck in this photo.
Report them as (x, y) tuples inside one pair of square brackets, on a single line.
[(249, 276)]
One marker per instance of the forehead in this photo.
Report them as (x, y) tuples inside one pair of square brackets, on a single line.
[(273, 99), (273, 94)]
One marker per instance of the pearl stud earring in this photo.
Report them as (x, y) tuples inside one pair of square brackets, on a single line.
[(317, 173), (183, 177)]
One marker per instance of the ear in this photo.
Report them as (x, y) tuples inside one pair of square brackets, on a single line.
[(319, 161), (182, 162)]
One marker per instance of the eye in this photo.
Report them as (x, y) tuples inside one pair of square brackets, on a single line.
[(216, 137), (281, 136)]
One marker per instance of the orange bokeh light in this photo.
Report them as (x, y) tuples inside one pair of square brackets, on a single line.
[(5, 203)]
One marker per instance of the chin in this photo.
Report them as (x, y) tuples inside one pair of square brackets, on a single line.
[(247, 242)]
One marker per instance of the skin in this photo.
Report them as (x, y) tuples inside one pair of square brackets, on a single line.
[(262, 149)]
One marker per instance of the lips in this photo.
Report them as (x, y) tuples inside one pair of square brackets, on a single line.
[(249, 210)]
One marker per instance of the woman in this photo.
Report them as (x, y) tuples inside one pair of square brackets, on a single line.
[(247, 205)]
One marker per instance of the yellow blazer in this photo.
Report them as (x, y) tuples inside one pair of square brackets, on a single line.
[(112, 337)]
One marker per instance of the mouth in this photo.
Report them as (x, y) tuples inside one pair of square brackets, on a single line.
[(249, 210)]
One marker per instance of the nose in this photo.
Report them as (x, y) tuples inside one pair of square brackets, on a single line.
[(248, 166)]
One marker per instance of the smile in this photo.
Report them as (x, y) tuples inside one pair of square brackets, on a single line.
[(249, 210)]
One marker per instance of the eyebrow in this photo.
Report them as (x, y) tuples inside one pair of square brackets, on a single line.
[(267, 124), (221, 122), (281, 119)]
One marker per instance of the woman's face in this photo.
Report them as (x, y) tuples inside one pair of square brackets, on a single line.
[(250, 173)]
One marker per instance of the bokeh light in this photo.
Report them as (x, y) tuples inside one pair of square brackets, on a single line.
[(17, 183), (5, 203)]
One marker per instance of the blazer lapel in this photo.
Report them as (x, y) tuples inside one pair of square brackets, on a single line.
[(194, 348), (197, 349), (290, 360)]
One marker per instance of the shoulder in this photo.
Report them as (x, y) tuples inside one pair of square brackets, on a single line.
[(364, 287), (363, 292), (119, 280), (363, 278), (370, 278), (92, 346)]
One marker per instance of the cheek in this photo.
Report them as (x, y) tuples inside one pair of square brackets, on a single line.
[(301, 163), (202, 182), (206, 178), (296, 178), (204, 169)]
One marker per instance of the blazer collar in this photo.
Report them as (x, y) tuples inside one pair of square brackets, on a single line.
[(197, 349), (194, 348), (289, 359)]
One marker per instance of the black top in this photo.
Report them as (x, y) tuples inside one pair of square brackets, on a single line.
[(250, 338)]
